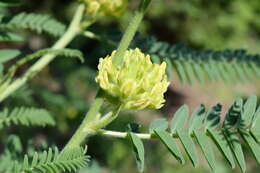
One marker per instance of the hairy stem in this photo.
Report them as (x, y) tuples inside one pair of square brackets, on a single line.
[(127, 38), (81, 134), (73, 30), (91, 125)]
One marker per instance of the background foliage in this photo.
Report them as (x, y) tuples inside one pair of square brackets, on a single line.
[(67, 88)]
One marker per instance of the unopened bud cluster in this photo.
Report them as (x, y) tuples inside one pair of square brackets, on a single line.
[(105, 7)]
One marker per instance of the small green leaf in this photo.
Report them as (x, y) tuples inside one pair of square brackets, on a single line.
[(255, 130), (231, 122), (234, 114), (236, 147), (206, 148), (170, 143), (223, 146), (138, 149), (10, 37), (190, 72), (197, 118), (248, 111), (254, 147), (213, 117), (160, 124), (201, 75), (189, 146), (181, 72), (179, 119), (156, 59), (8, 54), (169, 69)]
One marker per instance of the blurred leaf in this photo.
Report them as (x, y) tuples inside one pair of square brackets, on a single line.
[(249, 109), (255, 130), (8, 54), (10, 37)]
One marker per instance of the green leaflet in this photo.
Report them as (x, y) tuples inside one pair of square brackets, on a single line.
[(171, 145), (223, 146), (255, 130), (6, 36), (8, 54), (231, 122), (26, 117), (201, 75), (181, 72), (190, 72), (179, 119), (160, 124), (212, 119), (52, 161), (249, 109), (169, 69), (206, 148), (195, 125), (197, 118), (189, 146), (254, 147), (138, 150), (236, 147)]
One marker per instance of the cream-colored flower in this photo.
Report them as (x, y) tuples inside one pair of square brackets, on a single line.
[(106, 7), (138, 84)]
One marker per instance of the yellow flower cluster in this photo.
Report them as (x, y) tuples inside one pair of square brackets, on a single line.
[(138, 84), (106, 7)]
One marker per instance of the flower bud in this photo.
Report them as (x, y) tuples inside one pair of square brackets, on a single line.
[(138, 84), (106, 7)]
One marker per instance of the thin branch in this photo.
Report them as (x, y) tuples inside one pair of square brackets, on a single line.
[(124, 134)]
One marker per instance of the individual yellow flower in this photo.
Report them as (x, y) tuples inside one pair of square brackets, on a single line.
[(106, 7), (138, 84)]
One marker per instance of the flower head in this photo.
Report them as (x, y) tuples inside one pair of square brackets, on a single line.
[(106, 7), (138, 84)]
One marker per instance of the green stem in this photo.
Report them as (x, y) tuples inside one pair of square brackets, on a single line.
[(91, 124), (127, 38), (81, 134), (72, 31)]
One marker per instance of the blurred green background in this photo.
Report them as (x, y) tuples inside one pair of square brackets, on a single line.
[(66, 88)]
